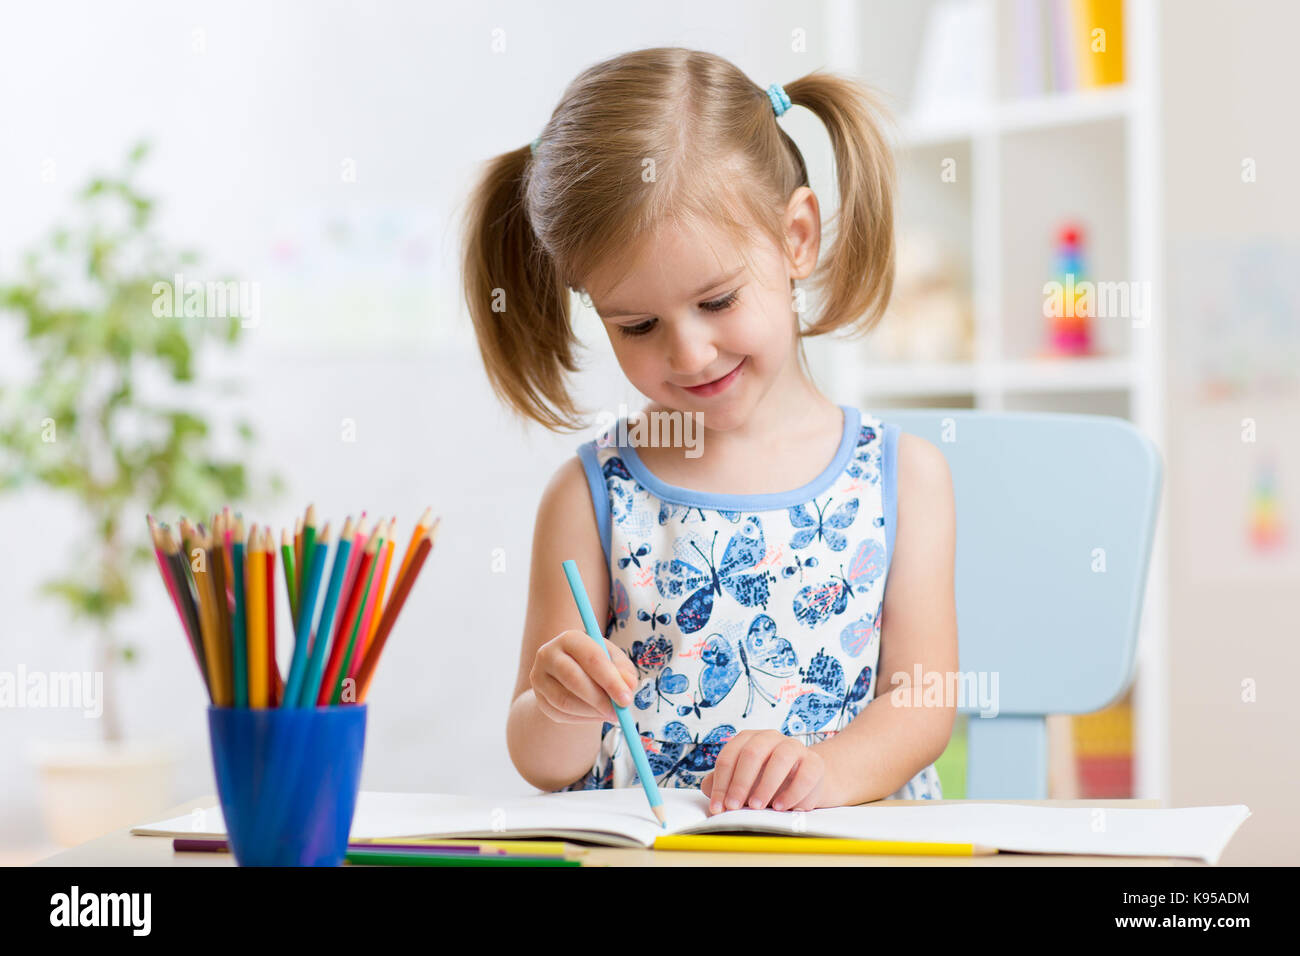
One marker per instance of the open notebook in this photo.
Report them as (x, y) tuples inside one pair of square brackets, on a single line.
[(621, 817)]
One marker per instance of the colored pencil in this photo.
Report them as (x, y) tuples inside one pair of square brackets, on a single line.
[(337, 672), (631, 736), (199, 564), (306, 611), (525, 849), (297, 562), (306, 691), (290, 575), (308, 538), (277, 684), (374, 604), (258, 678), (729, 843), (401, 588), (359, 539), (227, 610), (227, 524), (398, 858), (221, 582), (421, 527), (179, 590), (350, 602), (240, 621)]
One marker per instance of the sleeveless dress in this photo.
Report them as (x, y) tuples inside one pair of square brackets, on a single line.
[(744, 611)]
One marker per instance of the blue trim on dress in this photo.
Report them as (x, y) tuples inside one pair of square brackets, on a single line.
[(761, 502), (889, 488), (599, 493)]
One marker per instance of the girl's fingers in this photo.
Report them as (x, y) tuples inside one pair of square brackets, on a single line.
[(749, 762), (722, 770), (569, 706), (799, 785), (780, 761), (599, 669), (578, 682)]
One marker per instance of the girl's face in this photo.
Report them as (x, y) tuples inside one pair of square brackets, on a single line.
[(694, 330)]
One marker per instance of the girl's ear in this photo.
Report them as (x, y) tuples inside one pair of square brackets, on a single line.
[(803, 231)]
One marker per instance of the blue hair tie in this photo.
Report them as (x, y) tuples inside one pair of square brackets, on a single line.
[(533, 145), (780, 102)]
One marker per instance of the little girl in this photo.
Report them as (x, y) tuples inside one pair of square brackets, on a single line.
[(745, 574)]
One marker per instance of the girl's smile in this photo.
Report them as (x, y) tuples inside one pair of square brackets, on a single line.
[(718, 385)]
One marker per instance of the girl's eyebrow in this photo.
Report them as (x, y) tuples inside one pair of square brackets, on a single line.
[(615, 311)]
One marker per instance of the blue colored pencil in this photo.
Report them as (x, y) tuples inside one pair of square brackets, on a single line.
[(625, 720), (311, 682), (313, 571)]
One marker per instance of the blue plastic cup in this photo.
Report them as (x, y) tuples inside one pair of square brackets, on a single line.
[(288, 781)]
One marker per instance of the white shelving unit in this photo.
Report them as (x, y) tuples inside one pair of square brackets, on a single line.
[(1023, 165)]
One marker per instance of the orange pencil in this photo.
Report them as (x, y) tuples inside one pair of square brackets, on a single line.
[(255, 585), (421, 527), (401, 589)]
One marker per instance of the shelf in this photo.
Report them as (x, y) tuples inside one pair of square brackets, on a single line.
[(1104, 373), (1064, 109), (1013, 116)]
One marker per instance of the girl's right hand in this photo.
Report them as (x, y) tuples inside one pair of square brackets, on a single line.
[(573, 680)]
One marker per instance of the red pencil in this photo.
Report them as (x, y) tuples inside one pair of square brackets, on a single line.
[(348, 622)]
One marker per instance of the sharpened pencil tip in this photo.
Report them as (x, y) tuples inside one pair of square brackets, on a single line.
[(661, 816)]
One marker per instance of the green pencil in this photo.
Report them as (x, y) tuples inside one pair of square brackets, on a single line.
[(398, 858), (290, 578)]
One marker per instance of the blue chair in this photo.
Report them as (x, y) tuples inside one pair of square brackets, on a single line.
[(1044, 502)]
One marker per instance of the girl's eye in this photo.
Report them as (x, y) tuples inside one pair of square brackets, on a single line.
[(640, 329), (719, 305)]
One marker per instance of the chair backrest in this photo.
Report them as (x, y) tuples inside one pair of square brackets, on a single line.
[(1055, 519)]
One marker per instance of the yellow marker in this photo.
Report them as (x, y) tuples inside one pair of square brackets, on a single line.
[(783, 844)]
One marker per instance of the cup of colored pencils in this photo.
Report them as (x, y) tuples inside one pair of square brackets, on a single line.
[(287, 749)]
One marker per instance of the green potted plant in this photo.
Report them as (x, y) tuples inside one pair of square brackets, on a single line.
[(111, 416)]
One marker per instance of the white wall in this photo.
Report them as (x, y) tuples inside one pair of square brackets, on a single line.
[(249, 135), (1228, 86)]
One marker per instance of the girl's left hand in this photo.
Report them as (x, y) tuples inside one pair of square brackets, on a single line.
[(760, 767)]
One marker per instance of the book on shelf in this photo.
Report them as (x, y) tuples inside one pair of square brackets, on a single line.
[(1062, 46)]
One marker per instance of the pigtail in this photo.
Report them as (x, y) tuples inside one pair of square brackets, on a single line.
[(516, 299), (855, 282)]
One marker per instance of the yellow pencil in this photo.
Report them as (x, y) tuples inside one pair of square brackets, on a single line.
[(782, 844), (255, 586)]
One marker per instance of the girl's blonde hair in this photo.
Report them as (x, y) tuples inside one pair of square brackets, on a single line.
[(664, 134)]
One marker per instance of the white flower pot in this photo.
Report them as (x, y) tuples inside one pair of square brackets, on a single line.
[(90, 787)]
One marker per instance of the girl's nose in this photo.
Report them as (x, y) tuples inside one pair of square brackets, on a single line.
[(690, 349)]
